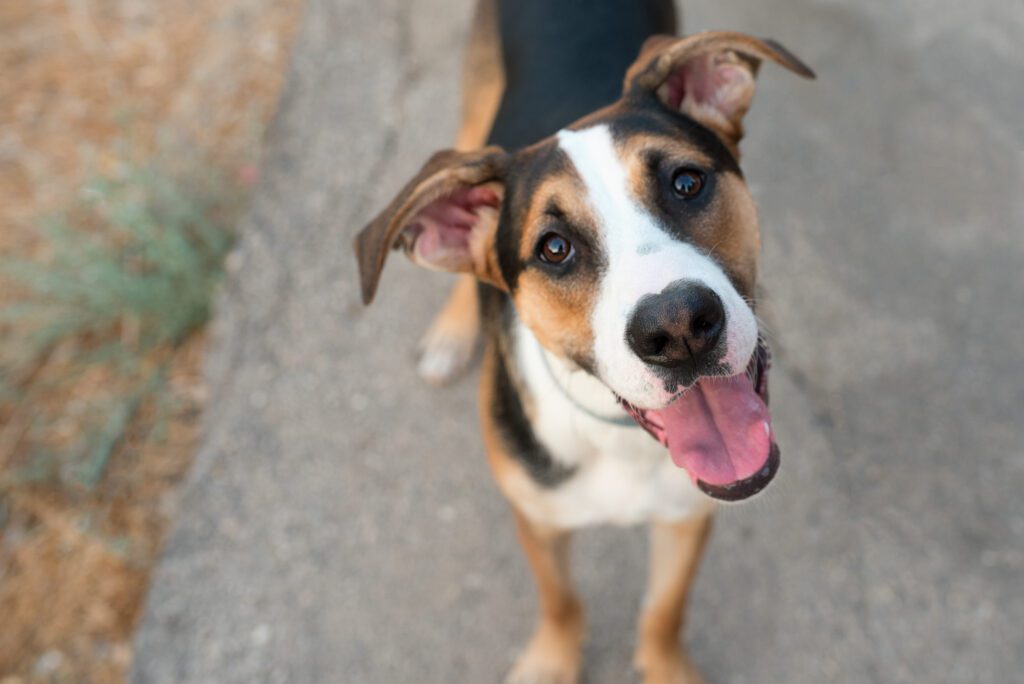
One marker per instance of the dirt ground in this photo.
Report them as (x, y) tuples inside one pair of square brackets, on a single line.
[(86, 84)]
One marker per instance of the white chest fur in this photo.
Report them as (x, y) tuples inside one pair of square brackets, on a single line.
[(622, 476)]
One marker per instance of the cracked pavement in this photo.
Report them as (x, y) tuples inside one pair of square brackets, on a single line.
[(340, 524)]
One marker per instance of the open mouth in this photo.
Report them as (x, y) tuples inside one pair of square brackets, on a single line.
[(720, 432)]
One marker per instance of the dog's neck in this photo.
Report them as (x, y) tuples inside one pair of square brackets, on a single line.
[(544, 374)]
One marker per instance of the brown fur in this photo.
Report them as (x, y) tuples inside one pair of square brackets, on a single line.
[(454, 331), (661, 56), (675, 552), (736, 243), (728, 229), (456, 328), (483, 77), (558, 312), (553, 653), (512, 479), (443, 173)]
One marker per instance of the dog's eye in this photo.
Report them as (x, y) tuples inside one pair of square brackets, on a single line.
[(687, 183), (554, 249)]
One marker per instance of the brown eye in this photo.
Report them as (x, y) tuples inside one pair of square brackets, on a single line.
[(687, 183), (554, 249)]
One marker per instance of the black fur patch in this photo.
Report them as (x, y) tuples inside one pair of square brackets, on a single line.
[(645, 113), (564, 59), (507, 408)]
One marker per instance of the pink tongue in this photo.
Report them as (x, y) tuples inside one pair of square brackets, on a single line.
[(719, 430)]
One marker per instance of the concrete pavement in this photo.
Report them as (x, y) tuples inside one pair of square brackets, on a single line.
[(340, 524)]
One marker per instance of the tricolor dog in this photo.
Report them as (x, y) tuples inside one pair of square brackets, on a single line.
[(609, 247)]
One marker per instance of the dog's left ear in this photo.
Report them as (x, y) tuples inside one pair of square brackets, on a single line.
[(445, 218), (708, 76)]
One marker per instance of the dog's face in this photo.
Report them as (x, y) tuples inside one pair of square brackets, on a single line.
[(628, 241), (629, 244)]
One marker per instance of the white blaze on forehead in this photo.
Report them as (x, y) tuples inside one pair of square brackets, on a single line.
[(642, 259)]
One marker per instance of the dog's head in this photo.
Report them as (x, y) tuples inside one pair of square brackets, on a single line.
[(628, 243)]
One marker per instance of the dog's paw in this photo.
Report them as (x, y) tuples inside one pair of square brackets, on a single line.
[(537, 670), (667, 667), (446, 351), (552, 657)]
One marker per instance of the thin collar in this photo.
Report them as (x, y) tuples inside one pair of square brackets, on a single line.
[(625, 421)]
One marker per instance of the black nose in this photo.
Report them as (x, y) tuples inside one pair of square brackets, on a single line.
[(679, 327)]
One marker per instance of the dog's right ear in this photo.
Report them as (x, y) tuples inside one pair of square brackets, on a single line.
[(708, 76), (445, 218)]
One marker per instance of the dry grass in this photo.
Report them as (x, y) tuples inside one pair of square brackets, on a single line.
[(78, 73), (89, 85), (76, 560)]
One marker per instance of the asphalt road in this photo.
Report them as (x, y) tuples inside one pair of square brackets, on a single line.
[(340, 524)]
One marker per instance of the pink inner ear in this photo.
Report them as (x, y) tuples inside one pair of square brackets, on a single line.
[(441, 231), (715, 80)]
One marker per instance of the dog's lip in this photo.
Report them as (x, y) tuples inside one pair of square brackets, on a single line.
[(750, 368), (753, 483), (748, 487)]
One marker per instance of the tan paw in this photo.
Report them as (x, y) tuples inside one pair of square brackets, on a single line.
[(666, 666), (445, 352), (552, 657)]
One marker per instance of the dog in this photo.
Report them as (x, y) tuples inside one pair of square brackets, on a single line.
[(608, 247)]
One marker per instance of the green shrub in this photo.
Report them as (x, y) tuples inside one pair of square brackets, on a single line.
[(125, 276)]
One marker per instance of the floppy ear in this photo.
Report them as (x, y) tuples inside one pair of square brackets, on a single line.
[(708, 76), (445, 218)]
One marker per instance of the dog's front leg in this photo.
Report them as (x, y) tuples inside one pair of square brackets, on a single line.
[(553, 654), (448, 346), (675, 551)]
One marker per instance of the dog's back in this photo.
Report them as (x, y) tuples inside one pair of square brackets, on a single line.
[(566, 58)]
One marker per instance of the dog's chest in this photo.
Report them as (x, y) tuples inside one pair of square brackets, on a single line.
[(621, 475)]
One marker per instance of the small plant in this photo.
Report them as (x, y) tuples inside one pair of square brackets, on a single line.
[(125, 277)]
